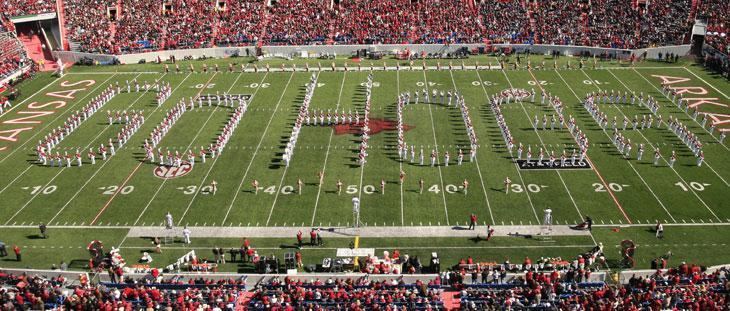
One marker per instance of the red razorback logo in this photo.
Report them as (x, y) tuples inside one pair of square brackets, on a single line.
[(376, 126)]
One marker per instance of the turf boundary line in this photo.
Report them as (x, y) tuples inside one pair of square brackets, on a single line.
[(129, 177), (327, 154), (593, 166), (263, 135)]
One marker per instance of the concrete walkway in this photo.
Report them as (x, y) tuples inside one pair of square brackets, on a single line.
[(367, 232)]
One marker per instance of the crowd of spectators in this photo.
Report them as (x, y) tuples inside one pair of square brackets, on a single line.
[(718, 23), (145, 25), (685, 287), (351, 294), (12, 55), (13, 8)]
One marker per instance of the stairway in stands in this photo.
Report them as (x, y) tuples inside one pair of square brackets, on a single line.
[(32, 39)]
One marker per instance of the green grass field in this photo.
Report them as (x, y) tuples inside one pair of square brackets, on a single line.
[(123, 191)]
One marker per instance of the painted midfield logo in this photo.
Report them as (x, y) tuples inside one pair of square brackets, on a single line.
[(169, 172), (376, 126)]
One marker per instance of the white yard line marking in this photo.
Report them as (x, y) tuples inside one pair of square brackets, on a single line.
[(708, 83), (400, 163), (686, 113), (662, 157), (327, 154), (283, 175), (544, 146), (642, 135), (43, 130), (436, 145), (16, 178), (188, 147), (105, 162), (263, 135), (219, 156), (529, 199), (476, 161), (628, 162)]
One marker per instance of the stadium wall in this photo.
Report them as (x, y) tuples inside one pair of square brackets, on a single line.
[(347, 50)]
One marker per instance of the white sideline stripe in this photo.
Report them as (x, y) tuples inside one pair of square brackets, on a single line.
[(113, 72), (544, 146), (476, 161), (263, 135), (661, 156), (43, 130), (327, 154), (628, 162), (706, 163), (529, 199), (686, 113), (188, 147), (107, 161), (210, 169), (708, 84), (199, 247), (436, 146), (31, 96)]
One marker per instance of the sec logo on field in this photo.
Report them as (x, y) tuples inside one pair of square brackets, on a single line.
[(169, 172)]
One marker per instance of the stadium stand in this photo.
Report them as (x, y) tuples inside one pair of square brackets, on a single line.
[(686, 287), (13, 8), (12, 55), (144, 26), (718, 23)]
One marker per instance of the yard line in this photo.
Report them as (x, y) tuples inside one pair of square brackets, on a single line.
[(706, 163), (543, 143), (436, 145), (165, 180), (687, 113), (219, 156), (665, 160), (476, 161), (703, 80), (105, 162), (16, 178), (134, 171), (113, 72), (529, 199), (54, 120), (327, 154), (286, 168), (57, 174), (31, 96), (263, 135), (628, 162), (400, 163)]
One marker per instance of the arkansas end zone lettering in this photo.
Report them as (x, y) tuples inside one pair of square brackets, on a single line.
[(696, 97), (170, 172), (28, 117)]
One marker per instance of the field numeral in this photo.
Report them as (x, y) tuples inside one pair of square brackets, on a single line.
[(613, 186), (484, 83), (202, 85), (534, 188), (110, 190), (540, 82), (422, 84), (375, 84), (257, 85), (192, 189), (590, 82), (695, 185), (351, 189), (41, 189)]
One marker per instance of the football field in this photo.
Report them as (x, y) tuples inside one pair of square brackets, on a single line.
[(125, 190)]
